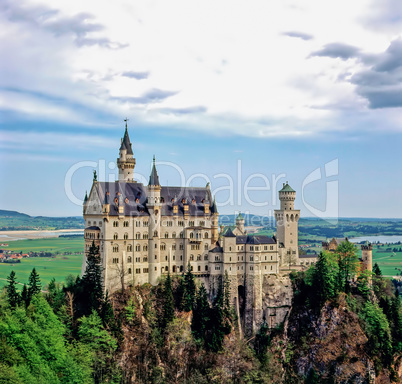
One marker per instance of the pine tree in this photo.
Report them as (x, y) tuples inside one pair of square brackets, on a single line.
[(325, 276), (91, 286), (377, 270), (13, 296), (189, 290), (348, 262), (25, 295), (201, 315), (34, 285), (168, 302), (396, 322), (217, 321)]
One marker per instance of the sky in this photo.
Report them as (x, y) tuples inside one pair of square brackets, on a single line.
[(244, 95)]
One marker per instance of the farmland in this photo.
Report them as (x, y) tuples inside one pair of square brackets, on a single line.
[(67, 259)]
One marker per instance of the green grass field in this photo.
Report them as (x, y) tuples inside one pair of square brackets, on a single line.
[(390, 263), (54, 244), (58, 267)]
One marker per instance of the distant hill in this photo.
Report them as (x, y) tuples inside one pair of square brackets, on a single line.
[(6, 213), (13, 221)]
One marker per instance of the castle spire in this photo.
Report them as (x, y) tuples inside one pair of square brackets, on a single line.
[(126, 162), (126, 143), (154, 178)]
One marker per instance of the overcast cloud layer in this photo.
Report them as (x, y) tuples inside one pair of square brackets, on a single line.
[(279, 68), (284, 86)]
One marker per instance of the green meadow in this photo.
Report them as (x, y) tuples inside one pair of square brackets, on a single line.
[(68, 254), (389, 262)]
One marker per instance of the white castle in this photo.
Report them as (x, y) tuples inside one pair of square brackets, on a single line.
[(145, 232)]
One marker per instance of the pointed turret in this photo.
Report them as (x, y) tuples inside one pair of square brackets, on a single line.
[(84, 204), (154, 178), (126, 143), (214, 209), (126, 162)]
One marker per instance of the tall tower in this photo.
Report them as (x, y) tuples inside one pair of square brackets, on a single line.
[(240, 222), (367, 257), (287, 226), (154, 206), (126, 161)]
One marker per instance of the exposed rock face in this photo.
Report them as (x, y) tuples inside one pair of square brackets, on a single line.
[(331, 343), (277, 294)]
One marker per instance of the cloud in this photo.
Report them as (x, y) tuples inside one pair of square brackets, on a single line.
[(183, 111), (384, 15), (299, 35), (337, 50), (151, 96), (78, 26), (135, 75)]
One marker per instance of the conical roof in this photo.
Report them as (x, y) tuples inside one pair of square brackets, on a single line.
[(287, 188), (126, 143), (214, 208), (154, 178)]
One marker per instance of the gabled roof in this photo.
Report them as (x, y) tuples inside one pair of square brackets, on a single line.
[(154, 178), (229, 233), (126, 143)]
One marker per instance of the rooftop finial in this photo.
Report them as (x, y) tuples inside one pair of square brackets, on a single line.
[(154, 159), (126, 122)]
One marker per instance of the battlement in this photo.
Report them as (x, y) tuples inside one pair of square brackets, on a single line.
[(367, 247)]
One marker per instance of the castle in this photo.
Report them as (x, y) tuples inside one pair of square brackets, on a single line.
[(145, 232)]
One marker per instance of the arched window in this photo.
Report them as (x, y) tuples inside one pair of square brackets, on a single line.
[(181, 268), (138, 236), (174, 235), (166, 235), (198, 257), (199, 268), (145, 248), (129, 259), (145, 236), (206, 235), (115, 236), (181, 235), (174, 269), (156, 234), (129, 248), (138, 247), (129, 271), (115, 248), (125, 236), (206, 246), (191, 235), (206, 267), (115, 223), (205, 257), (192, 257)]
